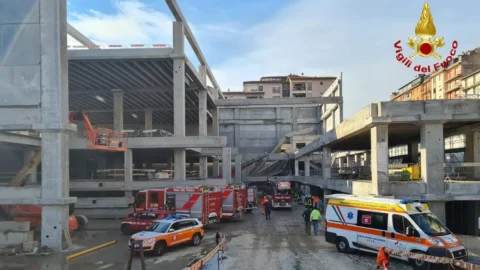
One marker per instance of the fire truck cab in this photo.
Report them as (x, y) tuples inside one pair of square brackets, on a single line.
[(281, 196)]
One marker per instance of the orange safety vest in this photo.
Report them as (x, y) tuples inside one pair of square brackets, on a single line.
[(315, 200), (382, 259)]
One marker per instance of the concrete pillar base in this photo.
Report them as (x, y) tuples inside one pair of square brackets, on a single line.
[(54, 222), (379, 150), (227, 164), (180, 160), (238, 168)]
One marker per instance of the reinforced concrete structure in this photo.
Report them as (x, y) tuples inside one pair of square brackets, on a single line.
[(154, 94), (452, 189)]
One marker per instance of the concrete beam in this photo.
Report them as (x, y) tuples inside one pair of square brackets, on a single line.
[(143, 53), (127, 91), (269, 121), (77, 35), (215, 151), (177, 13), (90, 185), (14, 138), (163, 142), (136, 110), (279, 101)]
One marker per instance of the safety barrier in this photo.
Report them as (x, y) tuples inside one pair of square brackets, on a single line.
[(217, 252), (462, 171), (427, 258)]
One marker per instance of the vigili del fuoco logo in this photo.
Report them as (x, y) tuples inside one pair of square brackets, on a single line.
[(426, 45)]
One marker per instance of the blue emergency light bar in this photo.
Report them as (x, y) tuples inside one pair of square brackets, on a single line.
[(412, 201), (174, 217)]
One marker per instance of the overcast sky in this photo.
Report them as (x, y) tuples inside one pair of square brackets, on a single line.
[(247, 39)]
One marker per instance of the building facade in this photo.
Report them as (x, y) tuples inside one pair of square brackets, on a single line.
[(445, 83), (289, 86)]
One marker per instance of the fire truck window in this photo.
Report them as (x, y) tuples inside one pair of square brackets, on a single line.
[(140, 199), (400, 224), (154, 198), (148, 216)]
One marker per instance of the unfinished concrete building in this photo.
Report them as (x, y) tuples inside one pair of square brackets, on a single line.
[(151, 94)]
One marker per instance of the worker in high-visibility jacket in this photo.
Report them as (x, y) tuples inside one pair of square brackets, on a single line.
[(382, 259), (265, 199)]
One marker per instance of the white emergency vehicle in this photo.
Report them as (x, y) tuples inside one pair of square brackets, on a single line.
[(368, 224)]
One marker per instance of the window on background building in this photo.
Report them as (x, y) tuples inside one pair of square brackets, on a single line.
[(260, 88), (276, 89), (321, 83), (309, 85), (457, 82)]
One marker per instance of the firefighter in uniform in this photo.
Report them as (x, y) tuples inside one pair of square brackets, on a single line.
[(315, 201), (308, 201), (265, 199)]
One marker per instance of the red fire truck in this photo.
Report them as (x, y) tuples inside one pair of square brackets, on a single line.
[(281, 195), (233, 200), (148, 206), (201, 203), (252, 198)]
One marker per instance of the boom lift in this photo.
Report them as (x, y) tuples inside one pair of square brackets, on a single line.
[(102, 139)]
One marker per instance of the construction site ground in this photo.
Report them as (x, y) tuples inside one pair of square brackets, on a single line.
[(253, 243)]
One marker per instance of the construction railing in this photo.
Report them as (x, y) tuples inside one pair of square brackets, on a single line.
[(466, 171), (136, 133), (213, 260)]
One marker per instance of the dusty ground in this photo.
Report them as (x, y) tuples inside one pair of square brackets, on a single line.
[(253, 243)]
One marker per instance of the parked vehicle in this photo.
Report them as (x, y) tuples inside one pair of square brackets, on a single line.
[(368, 224), (141, 221), (252, 198), (168, 232), (200, 203), (281, 196), (233, 200)]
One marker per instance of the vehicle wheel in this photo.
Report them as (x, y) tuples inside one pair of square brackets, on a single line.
[(126, 229), (82, 222), (342, 245), (196, 239), (420, 265), (159, 249)]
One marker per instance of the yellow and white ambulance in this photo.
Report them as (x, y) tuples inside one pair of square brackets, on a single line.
[(368, 224)]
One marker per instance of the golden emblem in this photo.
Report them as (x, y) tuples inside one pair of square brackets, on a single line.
[(425, 30)]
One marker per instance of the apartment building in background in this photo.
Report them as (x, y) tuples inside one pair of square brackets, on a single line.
[(445, 83), (290, 86)]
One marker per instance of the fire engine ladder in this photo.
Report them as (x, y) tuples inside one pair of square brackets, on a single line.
[(28, 169)]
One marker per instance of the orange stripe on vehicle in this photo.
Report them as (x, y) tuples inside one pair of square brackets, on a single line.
[(369, 208), (398, 237)]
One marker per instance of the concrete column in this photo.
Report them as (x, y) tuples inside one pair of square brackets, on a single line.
[(350, 161), (278, 127), (307, 167), (203, 167), (341, 164), (169, 164), (179, 164), (238, 168), (472, 151), (413, 152), (148, 119), (367, 157), (379, 150), (81, 131), (128, 168), (227, 164), (297, 172), (192, 166), (294, 118), (216, 168), (54, 128), (438, 208), (236, 128), (32, 178), (117, 110), (327, 163), (215, 122), (432, 157), (179, 96)]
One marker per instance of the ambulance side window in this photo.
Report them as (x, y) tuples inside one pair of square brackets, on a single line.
[(400, 224), (372, 220)]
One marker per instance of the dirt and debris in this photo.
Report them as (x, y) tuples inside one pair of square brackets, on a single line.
[(19, 251)]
